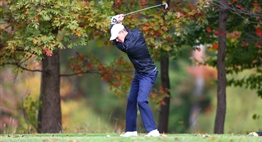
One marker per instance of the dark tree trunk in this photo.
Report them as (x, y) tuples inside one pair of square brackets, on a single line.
[(50, 114), (39, 117), (221, 67), (164, 109)]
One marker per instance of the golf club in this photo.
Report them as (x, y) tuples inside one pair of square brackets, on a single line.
[(165, 4)]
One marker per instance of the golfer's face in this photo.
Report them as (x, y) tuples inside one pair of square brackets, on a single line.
[(120, 37)]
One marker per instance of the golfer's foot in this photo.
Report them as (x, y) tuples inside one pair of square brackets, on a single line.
[(129, 134), (153, 133), (253, 134)]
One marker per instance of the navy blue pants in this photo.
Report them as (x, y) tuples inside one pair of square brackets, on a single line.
[(139, 92)]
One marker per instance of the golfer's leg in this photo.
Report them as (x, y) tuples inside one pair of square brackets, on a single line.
[(146, 84), (131, 109)]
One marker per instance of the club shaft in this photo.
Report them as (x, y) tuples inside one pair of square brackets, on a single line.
[(143, 9)]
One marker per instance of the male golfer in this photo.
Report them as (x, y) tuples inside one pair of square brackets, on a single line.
[(133, 44)]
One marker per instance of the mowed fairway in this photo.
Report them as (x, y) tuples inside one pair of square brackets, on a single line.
[(113, 137)]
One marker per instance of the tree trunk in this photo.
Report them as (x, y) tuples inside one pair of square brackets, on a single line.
[(39, 117), (221, 86), (164, 109), (50, 114)]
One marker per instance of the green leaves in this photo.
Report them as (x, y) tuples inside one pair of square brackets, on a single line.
[(73, 25), (51, 24)]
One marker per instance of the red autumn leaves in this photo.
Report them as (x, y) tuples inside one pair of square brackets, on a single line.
[(216, 32), (238, 6), (256, 6), (236, 34), (259, 32), (47, 51)]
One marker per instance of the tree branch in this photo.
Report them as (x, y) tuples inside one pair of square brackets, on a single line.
[(71, 74), (23, 68), (61, 75), (239, 11)]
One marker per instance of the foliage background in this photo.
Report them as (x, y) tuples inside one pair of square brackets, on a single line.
[(89, 106)]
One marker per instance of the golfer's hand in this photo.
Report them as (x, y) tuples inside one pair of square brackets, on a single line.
[(121, 18), (117, 19)]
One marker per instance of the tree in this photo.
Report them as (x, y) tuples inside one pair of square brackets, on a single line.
[(165, 83), (50, 112), (238, 46), (38, 29), (164, 107), (60, 24), (221, 67)]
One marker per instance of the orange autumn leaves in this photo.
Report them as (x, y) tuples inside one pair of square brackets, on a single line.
[(158, 95), (117, 74), (214, 46), (143, 2)]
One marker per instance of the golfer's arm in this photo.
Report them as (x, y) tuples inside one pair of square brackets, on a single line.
[(119, 45), (126, 28)]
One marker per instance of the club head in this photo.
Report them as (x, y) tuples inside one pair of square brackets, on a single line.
[(166, 5)]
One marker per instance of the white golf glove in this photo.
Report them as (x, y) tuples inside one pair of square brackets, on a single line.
[(114, 19)]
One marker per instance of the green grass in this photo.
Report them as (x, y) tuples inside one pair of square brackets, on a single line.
[(113, 137)]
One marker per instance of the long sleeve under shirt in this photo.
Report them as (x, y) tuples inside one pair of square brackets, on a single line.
[(135, 48)]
